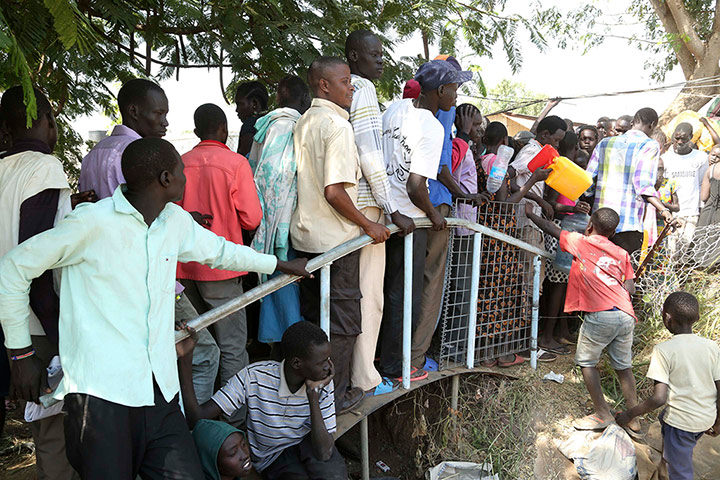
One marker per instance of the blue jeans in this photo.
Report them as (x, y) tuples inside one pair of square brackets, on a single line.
[(612, 329), (678, 448)]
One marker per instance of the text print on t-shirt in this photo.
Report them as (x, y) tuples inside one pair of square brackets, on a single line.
[(402, 170)]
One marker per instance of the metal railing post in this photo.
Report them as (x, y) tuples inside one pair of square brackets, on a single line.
[(364, 449), (535, 312), (474, 286), (325, 298), (407, 310)]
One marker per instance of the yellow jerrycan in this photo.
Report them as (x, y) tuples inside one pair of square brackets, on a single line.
[(567, 178)]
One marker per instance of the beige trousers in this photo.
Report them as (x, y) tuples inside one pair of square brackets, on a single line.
[(372, 274)]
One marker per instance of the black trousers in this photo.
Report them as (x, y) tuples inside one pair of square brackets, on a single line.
[(299, 463), (105, 440), (345, 316), (392, 322), (628, 241)]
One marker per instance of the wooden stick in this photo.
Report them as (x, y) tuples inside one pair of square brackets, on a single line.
[(651, 253)]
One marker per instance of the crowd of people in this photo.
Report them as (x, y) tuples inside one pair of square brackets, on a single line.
[(155, 238)]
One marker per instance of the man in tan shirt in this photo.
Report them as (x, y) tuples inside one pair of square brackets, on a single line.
[(326, 216)]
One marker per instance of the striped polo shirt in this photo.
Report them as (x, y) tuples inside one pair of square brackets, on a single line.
[(277, 418)]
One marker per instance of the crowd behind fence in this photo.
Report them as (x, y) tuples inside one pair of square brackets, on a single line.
[(491, 290)]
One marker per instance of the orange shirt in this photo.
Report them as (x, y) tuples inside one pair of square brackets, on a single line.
[(598, 273), (220, 183)]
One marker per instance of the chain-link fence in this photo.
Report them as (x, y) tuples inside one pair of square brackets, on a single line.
[(674, 262)]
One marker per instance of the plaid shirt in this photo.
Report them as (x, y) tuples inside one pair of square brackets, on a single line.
[(374, 187), (626, 169)]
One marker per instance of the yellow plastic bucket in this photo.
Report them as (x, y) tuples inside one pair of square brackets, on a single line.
[(568, 179)]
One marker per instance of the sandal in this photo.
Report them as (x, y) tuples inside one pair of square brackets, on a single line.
[(516, 361), (430, 365), (489, 363), (415, 375), (561, 350), (542, 356), (385, 386), (592, 422)]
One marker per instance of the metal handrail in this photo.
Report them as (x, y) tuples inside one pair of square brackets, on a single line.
[(276, 283)]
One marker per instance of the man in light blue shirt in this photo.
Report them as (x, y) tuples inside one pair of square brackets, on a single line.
[(118, 259)]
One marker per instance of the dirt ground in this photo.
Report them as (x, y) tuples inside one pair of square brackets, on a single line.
[(17, 459)]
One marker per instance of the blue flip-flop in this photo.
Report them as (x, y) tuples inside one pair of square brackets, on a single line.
[(430, 365), (386, 386)]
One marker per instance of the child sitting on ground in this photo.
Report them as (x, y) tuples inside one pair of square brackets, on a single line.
[(599, 285), (686, 371), (291, 406), (223, 451)]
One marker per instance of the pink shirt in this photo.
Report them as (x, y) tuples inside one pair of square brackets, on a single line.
[(598, 273), (220, 183)]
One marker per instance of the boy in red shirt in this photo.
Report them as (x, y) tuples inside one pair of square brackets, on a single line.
[(600, 285)]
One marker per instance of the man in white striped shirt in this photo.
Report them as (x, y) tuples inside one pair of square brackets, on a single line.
[(290, 404), (364, 54)]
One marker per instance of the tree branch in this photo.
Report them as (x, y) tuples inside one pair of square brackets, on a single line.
[(186, 30), (135, 53), (716, 19), (685, 57), (685, 23)]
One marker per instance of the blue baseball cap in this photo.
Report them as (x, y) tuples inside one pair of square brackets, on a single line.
[(436, 73)]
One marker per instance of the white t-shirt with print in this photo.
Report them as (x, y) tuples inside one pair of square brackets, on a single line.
[(687, 171), (412, 142)]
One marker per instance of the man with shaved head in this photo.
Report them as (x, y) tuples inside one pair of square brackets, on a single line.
[(219, 184), (328, 171), (623, 124), (686, 166), (624, 168)]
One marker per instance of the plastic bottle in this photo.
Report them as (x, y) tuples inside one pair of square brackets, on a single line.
[(499, 168)]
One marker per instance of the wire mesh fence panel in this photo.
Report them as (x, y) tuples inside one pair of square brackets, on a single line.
[(674, 261), (504, 290)]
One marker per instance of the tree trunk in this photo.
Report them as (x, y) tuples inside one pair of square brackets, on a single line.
[(693, 97), (426, 45), (698, 57)]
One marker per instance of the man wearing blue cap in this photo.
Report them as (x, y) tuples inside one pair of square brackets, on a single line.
[(412, 145), (442, 191)]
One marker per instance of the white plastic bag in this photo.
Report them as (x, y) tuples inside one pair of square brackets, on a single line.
[(33, 411), (606, 455), (461, 471)]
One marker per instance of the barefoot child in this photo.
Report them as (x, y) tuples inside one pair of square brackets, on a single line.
[(599, 285), (686, 371)]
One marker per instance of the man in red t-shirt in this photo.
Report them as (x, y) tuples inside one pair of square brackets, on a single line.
[(219, 183), (600, 286)]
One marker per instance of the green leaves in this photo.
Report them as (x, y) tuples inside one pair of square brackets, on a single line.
[(18, 67)]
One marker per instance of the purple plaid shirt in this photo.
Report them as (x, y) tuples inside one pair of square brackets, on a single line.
[(626, 169)]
